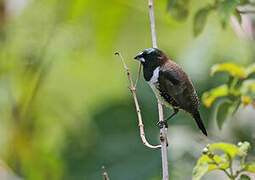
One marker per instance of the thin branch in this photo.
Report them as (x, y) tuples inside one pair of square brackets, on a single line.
[(226, 172), (138, 75), (105, 174), (163, 131), (153, 26), (133, 91), (245, 11)]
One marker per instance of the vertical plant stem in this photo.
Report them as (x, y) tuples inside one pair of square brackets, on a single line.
[(105, 174), (163, 132), (153, 27)]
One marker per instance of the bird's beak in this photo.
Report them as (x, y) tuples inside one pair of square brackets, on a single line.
[(139, 57)]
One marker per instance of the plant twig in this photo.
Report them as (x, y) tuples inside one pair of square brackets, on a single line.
[(152, 20), (245, 11), (105, 174), (163, 132), (138, 75), (133, 91), (226, 172)]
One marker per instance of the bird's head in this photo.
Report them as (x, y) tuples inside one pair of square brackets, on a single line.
[(150, 56)]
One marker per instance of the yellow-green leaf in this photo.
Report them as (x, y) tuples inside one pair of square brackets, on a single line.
[(252, 86), (199, 171), (246, 100), (209, 97), (250, 167), (244, 146), (250, 70), (248, 90), (233, 69), (230, 149)]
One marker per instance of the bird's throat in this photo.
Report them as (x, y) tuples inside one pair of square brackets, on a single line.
[(155, 75)]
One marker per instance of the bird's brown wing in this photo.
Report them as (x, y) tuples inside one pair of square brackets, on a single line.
[(175, 82)]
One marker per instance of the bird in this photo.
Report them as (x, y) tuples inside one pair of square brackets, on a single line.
[(171, 85)]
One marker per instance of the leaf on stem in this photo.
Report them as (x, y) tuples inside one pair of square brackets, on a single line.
[(222, 111), (238, 16), (200, 20), (246, 100), (233, 69), (206, 164), (250, 167), (244, 146), (250, 70), (209, 97), (199, 171), (178, 9), (244, 177), (230, 149), (226, 8), (248, 92)]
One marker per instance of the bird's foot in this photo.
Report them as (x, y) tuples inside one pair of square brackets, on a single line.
[(161, 124)]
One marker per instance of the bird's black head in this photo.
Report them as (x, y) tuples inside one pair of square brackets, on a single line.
[(150, 59), (149, 56)]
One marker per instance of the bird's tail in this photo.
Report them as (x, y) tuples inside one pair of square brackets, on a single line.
[(199, 122)]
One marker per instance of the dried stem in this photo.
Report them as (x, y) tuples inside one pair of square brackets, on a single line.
[(133, 91), (138, 75), (163, 132)]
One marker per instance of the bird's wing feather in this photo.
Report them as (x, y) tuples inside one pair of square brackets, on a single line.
[(175, 83), (171, 77), (171, 82)]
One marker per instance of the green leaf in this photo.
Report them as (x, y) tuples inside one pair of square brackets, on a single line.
[(243, 2), (234, 107), (200, 20), (234, 85), (246, 100), (178, 9), (215, 162), (209, 97), (199, 171), (250, 167), (244, 177), (233, 69), (244, 146), (248, 89), (250, 70), (238, 16), (230, 149), (225, 9), (222, 112), (224, 108), (206, 164)]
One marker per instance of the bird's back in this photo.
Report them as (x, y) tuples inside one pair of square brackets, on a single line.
[(182, 91)]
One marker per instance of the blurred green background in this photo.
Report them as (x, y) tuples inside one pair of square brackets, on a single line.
[(65, 107)]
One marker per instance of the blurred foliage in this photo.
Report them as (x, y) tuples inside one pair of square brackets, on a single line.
[(178, 9), (210, 161), (225, 8), (238, 90), (65, 108)]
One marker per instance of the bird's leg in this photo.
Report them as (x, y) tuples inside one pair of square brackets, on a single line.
[(164, 122)]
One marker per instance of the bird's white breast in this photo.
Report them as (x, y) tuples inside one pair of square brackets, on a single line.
[(154, 78), (154, 84)]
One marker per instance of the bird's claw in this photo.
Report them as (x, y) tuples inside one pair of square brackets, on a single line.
[(160, 124)]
